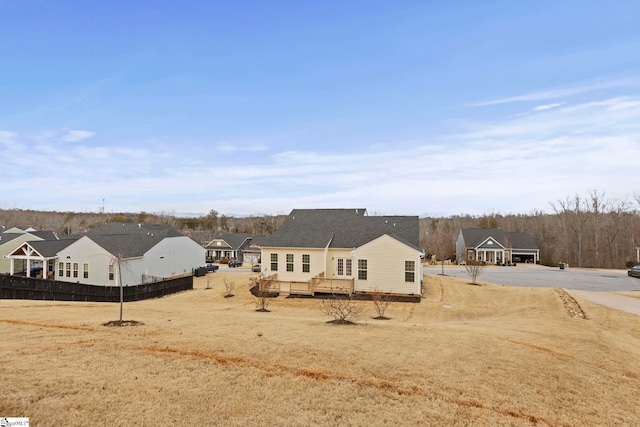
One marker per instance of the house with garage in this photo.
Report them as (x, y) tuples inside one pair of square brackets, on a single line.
[(226, 245), (13, 237), (116, 253), (495, 246), (343, 251)]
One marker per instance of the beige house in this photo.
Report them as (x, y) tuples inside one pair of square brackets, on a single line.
[(343, 251)]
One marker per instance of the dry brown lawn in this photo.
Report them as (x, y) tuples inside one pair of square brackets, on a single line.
[(635, 294), (466, 355)]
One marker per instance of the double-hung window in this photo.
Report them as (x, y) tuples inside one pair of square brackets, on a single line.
[(289, 262), (410, 271), (306, 263), (362, 269), (274, 262)]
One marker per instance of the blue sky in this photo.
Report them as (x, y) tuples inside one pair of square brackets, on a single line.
[(254, 107)]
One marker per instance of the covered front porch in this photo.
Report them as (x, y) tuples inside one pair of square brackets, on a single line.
[(26, 261), (316, 285), (490, 256)]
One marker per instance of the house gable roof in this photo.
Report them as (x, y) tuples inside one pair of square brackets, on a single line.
[(49, 248), (14, 232), (233, 240), (341, 228), (130, 240), (475, 237), (8, 237)]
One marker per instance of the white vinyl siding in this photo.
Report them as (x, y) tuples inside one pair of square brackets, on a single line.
[(386, 267), (300, 264), (170, 257)]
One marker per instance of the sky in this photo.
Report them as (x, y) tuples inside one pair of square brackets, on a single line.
[(430, 108)]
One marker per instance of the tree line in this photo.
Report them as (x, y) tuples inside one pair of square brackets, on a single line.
[(583, 230)]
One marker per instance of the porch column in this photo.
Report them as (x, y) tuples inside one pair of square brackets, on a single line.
[(28, 266), (11, 267)]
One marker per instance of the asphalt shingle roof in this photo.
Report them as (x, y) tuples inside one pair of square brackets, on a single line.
[(519, 240), (234, 240), (130, 240), (50, 248), (342, 228)]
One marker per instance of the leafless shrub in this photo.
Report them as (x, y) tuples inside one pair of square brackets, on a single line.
[(381, 302), (261, 295), (345, 309), (474, 269), (229, 286)]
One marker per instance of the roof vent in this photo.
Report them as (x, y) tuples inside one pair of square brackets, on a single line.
[(139, 225), (356, 210)]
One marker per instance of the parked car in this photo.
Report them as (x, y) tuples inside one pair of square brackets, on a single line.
[(634, 271), (211, 267), (235, 263), (256, 268)]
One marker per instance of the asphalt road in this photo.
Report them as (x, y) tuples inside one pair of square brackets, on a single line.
[(540, 276)]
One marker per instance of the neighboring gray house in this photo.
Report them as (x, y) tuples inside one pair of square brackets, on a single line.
[(343, 251), (227, 245), (144, 252), (495, 246)]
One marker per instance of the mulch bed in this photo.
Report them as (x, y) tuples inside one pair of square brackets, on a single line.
[(123, 323)]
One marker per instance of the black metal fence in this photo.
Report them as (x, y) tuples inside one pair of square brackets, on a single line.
[(17, 287)]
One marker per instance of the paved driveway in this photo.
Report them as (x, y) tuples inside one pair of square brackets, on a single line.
[(540, 276)]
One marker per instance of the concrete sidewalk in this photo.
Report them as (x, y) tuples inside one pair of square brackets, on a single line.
[(619, 302)]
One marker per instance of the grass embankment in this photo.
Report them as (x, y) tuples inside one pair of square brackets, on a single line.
[(483, 355)]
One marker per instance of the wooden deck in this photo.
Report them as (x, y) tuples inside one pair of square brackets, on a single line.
[(315, 285)]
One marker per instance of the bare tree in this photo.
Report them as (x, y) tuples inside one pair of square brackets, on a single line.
[(381, 301), (441, 244), (345, 309), (474, 269), (229, 286), (120, 263)]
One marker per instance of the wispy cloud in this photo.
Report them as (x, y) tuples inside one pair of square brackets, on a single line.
[(507, 165), (548, 106), (560, 92), (250, 146), (77, 135)]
